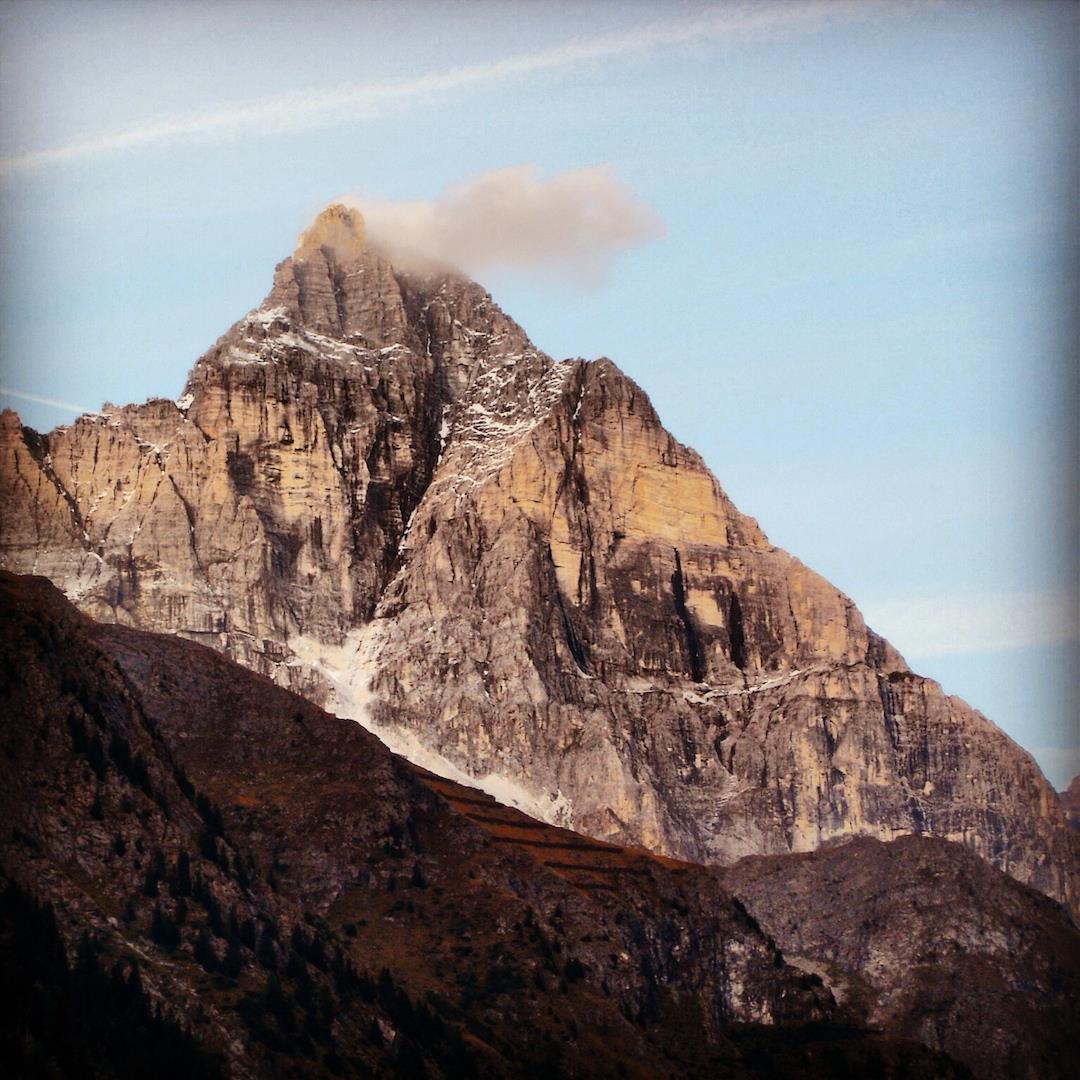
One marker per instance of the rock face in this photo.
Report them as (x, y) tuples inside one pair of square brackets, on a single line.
[(922, 939), (375, 490), (1070, 801), (300, 903)]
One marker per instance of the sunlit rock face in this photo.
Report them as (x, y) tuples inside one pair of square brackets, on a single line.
[(375, 490)]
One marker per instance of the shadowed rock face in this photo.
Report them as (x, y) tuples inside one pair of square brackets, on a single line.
[(378, 492), (921, 938), (304, 904)]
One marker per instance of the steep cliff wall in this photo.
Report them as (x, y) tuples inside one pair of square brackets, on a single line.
[(376, 490)]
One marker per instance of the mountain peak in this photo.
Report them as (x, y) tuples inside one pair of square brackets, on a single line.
[(339, 228)]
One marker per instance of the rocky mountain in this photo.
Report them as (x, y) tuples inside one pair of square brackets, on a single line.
[(376, 491), (197, 863)]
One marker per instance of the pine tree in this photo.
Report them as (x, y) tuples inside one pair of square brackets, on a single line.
[(204, 952), (163, 929), (181, 885), (155, 872), (234, 959)]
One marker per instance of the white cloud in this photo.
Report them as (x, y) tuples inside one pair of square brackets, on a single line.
[(298, 112), (964, 623), (22, 395), (573, 223)]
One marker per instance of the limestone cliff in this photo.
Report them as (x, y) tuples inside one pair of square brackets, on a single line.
[(376, 490)]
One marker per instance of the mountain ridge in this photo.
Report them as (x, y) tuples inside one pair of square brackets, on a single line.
[(300, 903), (295, 900)]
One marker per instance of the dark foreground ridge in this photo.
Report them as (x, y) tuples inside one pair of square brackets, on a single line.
[(267, 891)]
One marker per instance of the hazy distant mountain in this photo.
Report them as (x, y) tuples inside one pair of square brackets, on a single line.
[(375, 490)]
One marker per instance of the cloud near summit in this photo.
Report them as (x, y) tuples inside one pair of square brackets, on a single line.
[(570, 225)]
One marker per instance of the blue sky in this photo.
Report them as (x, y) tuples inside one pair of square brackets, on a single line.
[(860, 309)]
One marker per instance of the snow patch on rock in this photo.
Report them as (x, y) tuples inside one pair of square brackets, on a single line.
[(348, 670)]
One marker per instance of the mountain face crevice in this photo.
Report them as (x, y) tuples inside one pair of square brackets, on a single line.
[(375, 490), (693, 646)]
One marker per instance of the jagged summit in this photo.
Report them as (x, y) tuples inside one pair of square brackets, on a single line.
[(337, 228), (338, 285), (377, 491)]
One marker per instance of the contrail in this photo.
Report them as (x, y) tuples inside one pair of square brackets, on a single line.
[(293, 112), (39, 400)]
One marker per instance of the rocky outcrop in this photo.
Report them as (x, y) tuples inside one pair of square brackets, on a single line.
[(922, 939), (377, 491)]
